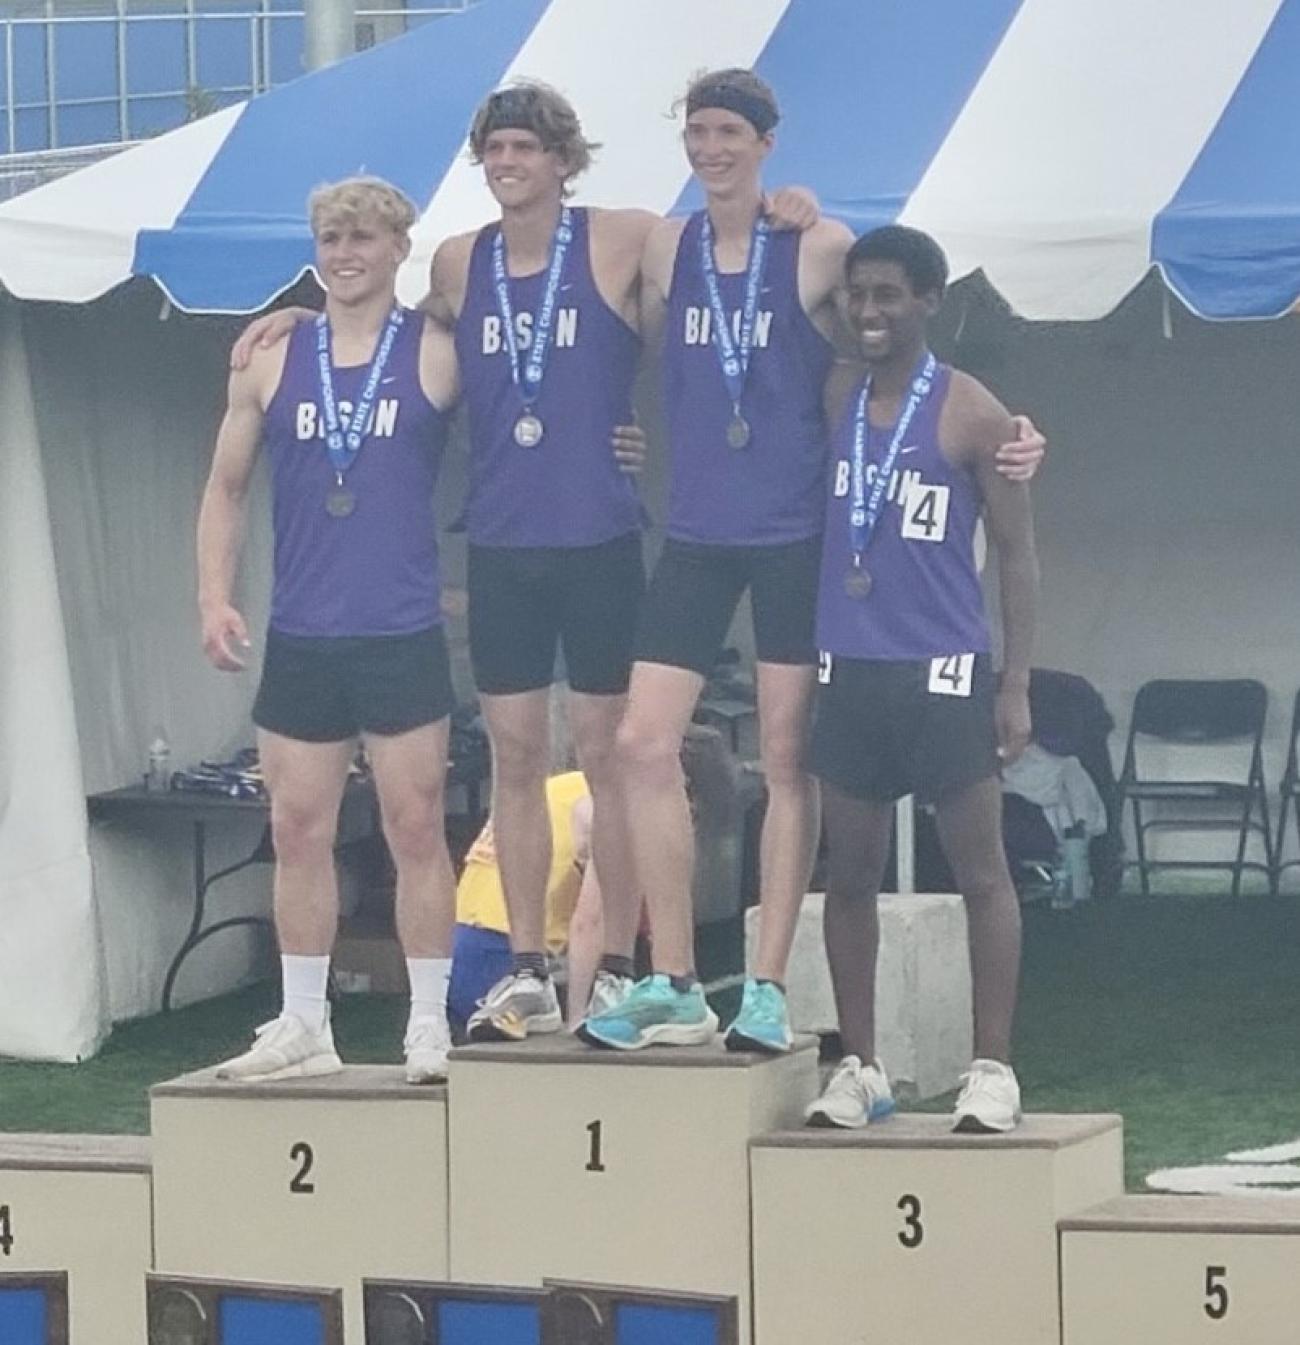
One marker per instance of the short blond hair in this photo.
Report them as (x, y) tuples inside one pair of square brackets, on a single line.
[(530, 105), (356, 198)]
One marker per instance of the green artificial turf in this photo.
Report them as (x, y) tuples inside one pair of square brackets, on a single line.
[(1181, 1013)]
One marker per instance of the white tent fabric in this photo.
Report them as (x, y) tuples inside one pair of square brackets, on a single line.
[(49, 950)]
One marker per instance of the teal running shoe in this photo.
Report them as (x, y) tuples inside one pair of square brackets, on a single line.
[(763, 1023), (653, 1014)]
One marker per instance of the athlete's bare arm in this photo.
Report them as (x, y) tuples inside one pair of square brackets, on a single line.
[(448, 279), (976, 424), (657, 263), (822, 250), (618, 239), (221, 515), (439, 372)]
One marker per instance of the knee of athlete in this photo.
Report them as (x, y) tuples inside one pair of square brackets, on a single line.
[(414, 829), (784, 759), (988, 886), (301, 833), (519, 760), (646, 753)]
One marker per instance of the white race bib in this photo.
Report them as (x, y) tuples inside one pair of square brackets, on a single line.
[(951, 675)]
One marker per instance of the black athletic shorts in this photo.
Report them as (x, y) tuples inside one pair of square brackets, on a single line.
[(697, 587), (525, 602), (324, 689), (884, 729)]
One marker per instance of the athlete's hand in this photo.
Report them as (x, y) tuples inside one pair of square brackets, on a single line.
[(266, 331), (1011, 711), (225, 637), (792, 208), (1019, 461), (629, 448)]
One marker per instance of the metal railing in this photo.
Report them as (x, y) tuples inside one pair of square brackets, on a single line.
[(191, 97), (22, 172)]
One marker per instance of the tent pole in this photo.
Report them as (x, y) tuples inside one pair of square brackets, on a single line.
[(330, 32)]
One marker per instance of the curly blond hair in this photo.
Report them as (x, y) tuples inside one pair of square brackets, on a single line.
[(356, 198)]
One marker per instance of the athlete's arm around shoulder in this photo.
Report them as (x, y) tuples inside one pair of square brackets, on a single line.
[(822, 249), (448, 279), (439, 372), (977, 425), (618, 240), (221, 515), (657, 261)]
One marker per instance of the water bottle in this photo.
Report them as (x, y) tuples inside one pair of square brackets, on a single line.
[(1075, 850), (1062, 888), (159, 775)]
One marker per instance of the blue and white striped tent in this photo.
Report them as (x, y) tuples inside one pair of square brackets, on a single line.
[(1063, 146)]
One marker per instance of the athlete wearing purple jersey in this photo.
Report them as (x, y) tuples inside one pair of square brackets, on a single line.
[(908, 700), (355, 647), (747, 318)]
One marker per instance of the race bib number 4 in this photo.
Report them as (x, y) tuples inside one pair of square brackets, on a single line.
[(825, 666), (951, 675), (925, 513)]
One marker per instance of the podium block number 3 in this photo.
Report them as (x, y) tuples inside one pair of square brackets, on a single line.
[(912, 1234)]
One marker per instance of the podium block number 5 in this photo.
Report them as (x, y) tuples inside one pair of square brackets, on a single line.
[(1216, 1292)]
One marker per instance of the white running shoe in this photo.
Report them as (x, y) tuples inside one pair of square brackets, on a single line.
[(285, 1048), (607, 992), (856, 1095), (518, 1006), (427, 1042), (989, 1102)]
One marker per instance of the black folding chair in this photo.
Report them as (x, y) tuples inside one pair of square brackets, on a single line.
[(1290, 791), (1198, 713)]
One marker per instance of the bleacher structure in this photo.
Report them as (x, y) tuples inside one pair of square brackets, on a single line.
[(554, 1195)]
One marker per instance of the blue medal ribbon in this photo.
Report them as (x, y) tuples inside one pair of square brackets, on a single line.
[(734, 356), (528, 379), (344, 445), (865, 508)]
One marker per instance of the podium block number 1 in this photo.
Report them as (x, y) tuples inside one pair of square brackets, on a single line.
[(6, 1231), (595, 1135)]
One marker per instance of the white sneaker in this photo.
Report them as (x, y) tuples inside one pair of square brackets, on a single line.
[(989, 1102), (608, 991), (518, 1006), (856, 1095), (285, 1048), (427, 1042)]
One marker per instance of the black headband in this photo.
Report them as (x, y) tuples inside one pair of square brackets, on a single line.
[(758, 112), (511, 109)]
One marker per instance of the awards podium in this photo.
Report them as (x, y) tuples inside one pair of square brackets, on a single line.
[(76, 1206), (624, 1168), (313, 1182), (906, 1230), (1184, 1269)]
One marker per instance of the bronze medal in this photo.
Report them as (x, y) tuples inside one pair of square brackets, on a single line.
[(738, 432), (857, 582), (339, 503)]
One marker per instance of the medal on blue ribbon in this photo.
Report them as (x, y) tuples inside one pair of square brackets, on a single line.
[(343, 445), (527, 376), (733, 355), (865, 507)]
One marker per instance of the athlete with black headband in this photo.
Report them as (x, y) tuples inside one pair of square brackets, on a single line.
[(748, 320), (544, 307)]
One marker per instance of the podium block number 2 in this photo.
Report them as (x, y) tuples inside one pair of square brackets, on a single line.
[(304, 1156)]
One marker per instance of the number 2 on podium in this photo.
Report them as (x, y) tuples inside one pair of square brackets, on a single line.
[(594, 1163)]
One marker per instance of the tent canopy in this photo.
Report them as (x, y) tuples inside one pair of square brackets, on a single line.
[(1063, 149)]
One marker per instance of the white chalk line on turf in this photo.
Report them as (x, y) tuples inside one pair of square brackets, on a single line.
[(1265, 1171)]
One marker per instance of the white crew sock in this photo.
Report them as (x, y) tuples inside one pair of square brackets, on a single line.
[(305, 980), (428, 977)]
